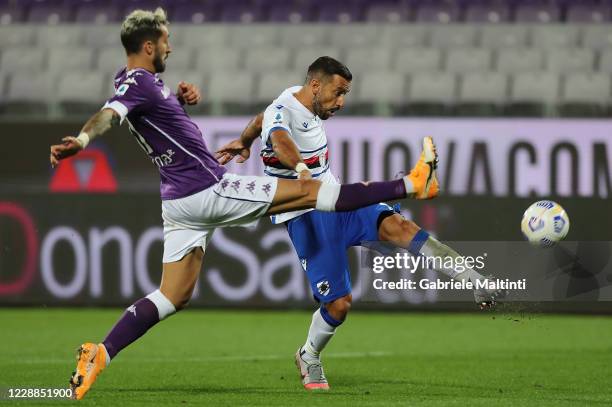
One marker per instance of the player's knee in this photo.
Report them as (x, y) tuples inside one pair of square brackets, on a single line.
[(398, 229), (309, 189), (179, 298), (340, 307)]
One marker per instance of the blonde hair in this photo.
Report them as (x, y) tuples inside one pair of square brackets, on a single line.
[(140, 26)]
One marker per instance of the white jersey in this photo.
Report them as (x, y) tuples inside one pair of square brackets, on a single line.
[(306, 131)]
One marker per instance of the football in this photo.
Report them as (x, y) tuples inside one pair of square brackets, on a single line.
[(545, 223)]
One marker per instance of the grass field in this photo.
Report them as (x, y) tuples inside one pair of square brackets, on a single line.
[(230, 358)]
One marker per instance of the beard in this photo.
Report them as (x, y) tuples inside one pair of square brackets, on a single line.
[(322, 113), (158, 63)]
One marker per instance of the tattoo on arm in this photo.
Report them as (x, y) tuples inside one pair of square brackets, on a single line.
[(252, 130), (101, 122)]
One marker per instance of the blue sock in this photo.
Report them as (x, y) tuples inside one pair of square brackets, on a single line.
[(417, 242), (328, 318)]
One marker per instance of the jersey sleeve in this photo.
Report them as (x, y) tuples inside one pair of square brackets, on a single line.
[(276, 117), (131, 94)]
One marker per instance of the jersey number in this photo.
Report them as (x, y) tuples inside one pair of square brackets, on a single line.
[(143, 143)]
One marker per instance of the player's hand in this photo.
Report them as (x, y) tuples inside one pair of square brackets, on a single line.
[(188, 93), (305, 175), (69, 147), (232, 149)]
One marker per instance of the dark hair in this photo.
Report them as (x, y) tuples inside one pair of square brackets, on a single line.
[(328, 66), (141, 26)]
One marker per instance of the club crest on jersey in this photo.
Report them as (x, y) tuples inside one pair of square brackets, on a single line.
[(322, 160), (323, 287)]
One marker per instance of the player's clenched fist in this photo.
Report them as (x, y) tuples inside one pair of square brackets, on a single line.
[(188, 93), (69, 147)]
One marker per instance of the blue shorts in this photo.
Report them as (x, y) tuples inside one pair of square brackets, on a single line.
[(321, 240)]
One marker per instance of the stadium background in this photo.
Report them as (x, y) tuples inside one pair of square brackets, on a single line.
[(517, 94)]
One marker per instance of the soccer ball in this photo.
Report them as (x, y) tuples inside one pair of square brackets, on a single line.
[(545, 223)]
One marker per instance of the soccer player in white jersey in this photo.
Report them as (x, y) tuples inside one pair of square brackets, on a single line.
[(197, 193), (293, 136)]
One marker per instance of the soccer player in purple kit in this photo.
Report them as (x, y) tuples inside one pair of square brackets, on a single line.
[(197, 193)]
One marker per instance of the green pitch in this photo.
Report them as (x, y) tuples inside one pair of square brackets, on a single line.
[(230, 358)]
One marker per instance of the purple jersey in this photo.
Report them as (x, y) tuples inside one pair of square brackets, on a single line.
[(164, 130)]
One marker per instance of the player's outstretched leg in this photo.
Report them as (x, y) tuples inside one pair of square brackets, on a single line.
[(136, 320), (420, 183), (405, 233), (178, 282), (325, 321)]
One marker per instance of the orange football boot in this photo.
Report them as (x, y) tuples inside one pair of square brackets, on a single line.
[(423, 176), (91, 360)]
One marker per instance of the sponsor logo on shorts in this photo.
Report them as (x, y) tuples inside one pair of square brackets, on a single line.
[(224, 184), (267, 188), (323, 287)]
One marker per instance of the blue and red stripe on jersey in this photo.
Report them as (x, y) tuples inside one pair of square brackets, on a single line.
[(312, 162)]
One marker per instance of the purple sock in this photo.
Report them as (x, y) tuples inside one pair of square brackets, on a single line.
[(136, 320), (355, 196)]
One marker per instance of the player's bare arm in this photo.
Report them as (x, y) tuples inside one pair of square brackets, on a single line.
[(97, 125), (288, 154), (283, 146), (242, 146), (188, 93)]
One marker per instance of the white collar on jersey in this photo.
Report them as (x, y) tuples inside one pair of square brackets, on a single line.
[(132, 71), (303, 108)]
